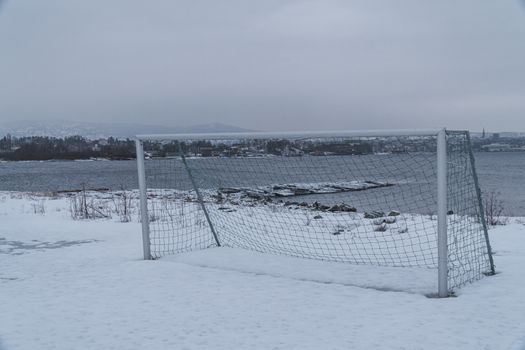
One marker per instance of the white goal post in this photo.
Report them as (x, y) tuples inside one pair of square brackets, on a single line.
[(396, 198)]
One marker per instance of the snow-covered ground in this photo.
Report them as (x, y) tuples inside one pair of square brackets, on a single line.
[(77, 284)]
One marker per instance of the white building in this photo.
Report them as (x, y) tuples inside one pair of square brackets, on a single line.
[(497, 147)]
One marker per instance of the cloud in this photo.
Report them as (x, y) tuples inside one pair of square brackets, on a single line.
[(265, 65)]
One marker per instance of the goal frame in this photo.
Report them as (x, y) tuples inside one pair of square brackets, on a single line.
[(441, 152)]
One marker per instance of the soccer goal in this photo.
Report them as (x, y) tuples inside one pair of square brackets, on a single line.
[(398, 199)]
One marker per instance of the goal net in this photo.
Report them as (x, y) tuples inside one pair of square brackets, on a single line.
[(350, 197)]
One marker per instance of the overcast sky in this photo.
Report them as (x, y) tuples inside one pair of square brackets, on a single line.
[(267, 65)]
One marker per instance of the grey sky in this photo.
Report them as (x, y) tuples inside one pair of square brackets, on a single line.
[(268, 64)]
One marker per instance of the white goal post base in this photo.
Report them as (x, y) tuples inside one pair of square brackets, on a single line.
[(395, 198)]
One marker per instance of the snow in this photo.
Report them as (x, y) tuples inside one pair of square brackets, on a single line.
[(293, 189), (423, 281), (68, 284)]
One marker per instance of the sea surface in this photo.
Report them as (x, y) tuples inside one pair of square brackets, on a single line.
[(501, 172)]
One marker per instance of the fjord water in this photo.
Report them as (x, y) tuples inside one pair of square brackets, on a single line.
[(503, 172)]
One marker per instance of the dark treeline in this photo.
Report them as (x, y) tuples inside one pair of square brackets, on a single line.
[(73, 147), (78, 147)]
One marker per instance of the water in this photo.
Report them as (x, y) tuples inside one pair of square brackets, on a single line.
[(501, 172), (66, 175), (504, 172)]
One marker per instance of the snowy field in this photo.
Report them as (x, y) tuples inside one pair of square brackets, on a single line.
[(81, 284)]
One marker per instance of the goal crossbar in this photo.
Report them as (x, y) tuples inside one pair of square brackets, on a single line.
[(290, 135)]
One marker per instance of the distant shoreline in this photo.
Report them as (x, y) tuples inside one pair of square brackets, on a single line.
[(65, 160), (103, 159)]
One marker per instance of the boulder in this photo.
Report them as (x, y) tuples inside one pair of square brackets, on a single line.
[(338, 232), (374, 214), (229, 190), (255, 195), (280, 187), (334, 208), (389, 220), (381, 228), (348, 209), (378, 221), (227, 209), (218, 198), (384, 220), (301, 191), (319, 206)]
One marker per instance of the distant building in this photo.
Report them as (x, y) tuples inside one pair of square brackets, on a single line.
[(206, 151), (497, 147)]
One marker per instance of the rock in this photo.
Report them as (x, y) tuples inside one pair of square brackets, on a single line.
[(301, 191), (218, 198), (255, 195), (394, 213), (282, 193), (403, 230), (320, 206), (338, 232), (380, 228), (334, 209), (227, 209), (379, 221), (342, 208), (374, 214), (280, 187), (229, 190), (450, 212), (317, 217), (347, 209), (389, 220)]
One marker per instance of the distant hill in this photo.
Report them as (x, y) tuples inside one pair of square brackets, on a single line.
[(103, 130)]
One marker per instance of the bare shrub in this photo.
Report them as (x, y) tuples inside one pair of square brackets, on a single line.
[(338, 229), (123, 204), (308, 219), (81, 207), (39, 207), (494, 209), (152, 217)]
